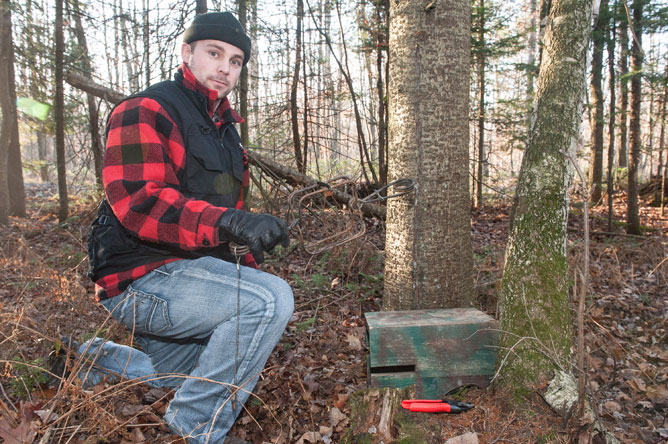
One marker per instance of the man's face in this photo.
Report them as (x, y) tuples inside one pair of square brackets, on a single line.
[(217, 65)]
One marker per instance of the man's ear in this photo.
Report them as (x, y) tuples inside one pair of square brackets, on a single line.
[(186, 52)]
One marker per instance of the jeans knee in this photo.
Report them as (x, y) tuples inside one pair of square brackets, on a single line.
[(283, 300)]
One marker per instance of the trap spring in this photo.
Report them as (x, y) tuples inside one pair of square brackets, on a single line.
[(321, 222)]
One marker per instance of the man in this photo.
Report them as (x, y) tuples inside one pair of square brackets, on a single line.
[(175, 178)]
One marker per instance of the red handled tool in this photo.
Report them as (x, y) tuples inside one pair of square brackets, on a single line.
[(436, 405)]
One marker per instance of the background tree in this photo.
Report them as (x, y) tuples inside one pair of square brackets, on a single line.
[(10, 128), (535, 318), (490, 40), (632, 216), (63, 200), (7, 105), (596, 113), (428, 242), (610, 37), (623, 83)]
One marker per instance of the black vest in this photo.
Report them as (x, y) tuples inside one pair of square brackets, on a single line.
[(213, 173)]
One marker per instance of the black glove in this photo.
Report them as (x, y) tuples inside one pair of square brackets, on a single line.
[(260, 232)]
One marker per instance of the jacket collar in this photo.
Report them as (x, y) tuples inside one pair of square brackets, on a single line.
[(224, 110)]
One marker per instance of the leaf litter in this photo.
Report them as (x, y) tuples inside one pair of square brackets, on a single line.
[(304, 392)]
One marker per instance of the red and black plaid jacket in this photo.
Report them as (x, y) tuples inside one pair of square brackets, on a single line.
[(144, 195)]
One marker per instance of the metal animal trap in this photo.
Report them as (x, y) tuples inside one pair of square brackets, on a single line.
[(320, 221)]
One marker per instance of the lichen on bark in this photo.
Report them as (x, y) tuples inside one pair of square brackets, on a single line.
[(535, 318)]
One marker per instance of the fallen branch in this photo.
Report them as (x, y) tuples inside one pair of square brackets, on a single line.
[(296, 178), (85, 84)]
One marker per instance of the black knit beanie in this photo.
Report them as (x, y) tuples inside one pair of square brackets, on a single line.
[(221, 26)]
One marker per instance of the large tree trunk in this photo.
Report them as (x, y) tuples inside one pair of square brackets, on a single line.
[(60, 117), (596, 121), (428, 246), (12, 196), (17, 193), (632, 218), (534, 314), (6, 105)]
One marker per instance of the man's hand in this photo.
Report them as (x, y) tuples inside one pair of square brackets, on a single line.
[(260, 232)]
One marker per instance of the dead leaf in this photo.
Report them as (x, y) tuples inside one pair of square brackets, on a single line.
[(658, 394), (336, 416), (612, 406), (22, 434), (466, 438), (310, 437), (637, 384), (354, 342)]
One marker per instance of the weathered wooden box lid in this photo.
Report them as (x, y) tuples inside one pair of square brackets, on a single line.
[(437, 350)]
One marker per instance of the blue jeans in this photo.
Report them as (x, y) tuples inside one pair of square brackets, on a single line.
[(184, 317)]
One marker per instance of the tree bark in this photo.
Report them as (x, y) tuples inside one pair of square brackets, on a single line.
[(535, 320), (596, 121), (60, 117), (428, 242), (200, 7), (632, 217)]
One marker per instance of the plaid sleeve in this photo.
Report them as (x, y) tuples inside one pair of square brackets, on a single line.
[(144, 159)]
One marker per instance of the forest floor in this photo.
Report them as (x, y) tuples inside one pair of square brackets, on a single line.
[(305, 391)]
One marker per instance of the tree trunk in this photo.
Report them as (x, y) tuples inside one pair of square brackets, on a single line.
[(6, 104), (11, 170), (535, 319), (60, 117), (42, 155), (93, 117), (623, 85), (612, 109), (243, 81), (382, 13), (632, 218), (147, 43), (428, 245), (662, 134), (596, 121), (200, 7), (294, 118), (481, 103)]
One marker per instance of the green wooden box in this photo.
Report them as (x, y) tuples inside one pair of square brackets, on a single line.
[(437, 350)]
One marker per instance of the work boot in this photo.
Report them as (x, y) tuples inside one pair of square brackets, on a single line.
[(57, 360)]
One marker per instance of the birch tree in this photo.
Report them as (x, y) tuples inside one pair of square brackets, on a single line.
[(535, 318)]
